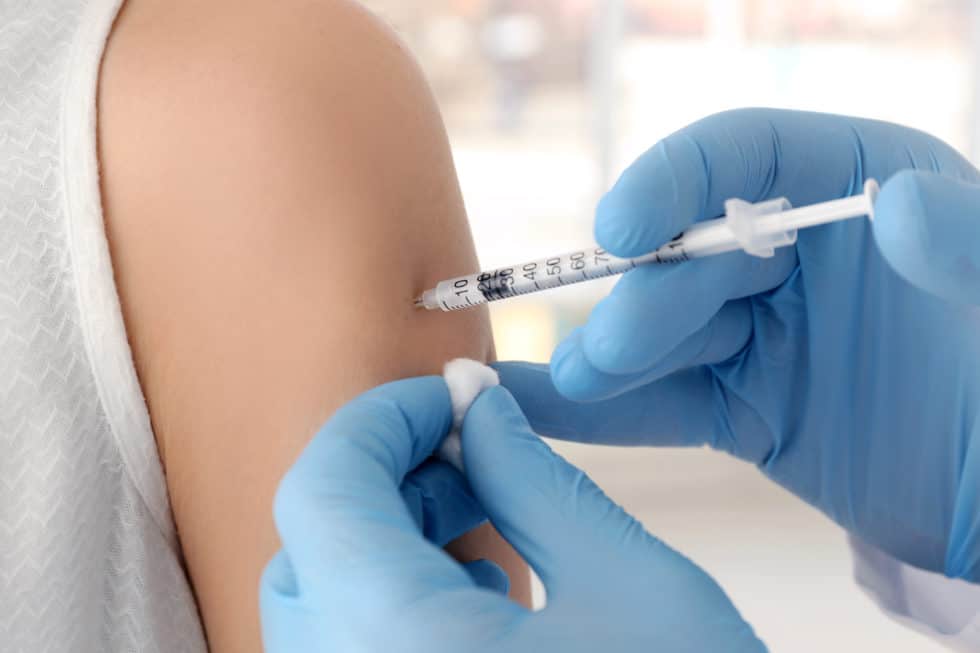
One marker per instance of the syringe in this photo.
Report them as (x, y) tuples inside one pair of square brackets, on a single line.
[(756, 228)]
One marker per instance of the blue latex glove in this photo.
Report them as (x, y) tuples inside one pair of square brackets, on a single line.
[(357, 572), (847, 368)]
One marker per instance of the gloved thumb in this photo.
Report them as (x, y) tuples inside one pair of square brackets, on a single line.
[(549, 510), (927, 226)]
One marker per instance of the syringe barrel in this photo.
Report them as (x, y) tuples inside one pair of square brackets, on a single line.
[(703, 239), (524, 278), (700, 240)]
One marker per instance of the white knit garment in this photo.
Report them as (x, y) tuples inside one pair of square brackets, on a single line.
[(466, 380), (89, 560)]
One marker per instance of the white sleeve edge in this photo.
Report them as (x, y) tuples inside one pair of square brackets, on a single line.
[(101, 320), (945, 609)]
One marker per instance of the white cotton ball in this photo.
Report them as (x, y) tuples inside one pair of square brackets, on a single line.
[(451, 450), (466, 380)]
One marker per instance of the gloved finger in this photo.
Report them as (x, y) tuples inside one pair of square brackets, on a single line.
[(441, 502), (339, 510), (755, 154), (488, 575), (653, 309), (543, 506), (678, 410), (726, 334), (927, 226), (279, 576), (282, 613)]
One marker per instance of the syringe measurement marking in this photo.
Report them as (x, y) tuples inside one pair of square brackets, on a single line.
[(501, 284)]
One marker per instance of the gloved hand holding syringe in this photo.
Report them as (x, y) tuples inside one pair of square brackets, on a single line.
[(758, 229)]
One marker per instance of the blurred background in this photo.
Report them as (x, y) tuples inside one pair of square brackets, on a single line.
[(546, 101)]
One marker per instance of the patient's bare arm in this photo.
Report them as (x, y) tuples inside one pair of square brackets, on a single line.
[(277, 186)]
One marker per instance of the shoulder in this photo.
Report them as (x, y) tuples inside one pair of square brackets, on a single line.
[(288, 156), (189, 41), (292, 142), (288, 91)]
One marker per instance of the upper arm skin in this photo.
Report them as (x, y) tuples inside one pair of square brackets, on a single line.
[(277, 188)]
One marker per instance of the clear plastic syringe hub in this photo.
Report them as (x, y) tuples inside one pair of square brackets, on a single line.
[(742, 219)]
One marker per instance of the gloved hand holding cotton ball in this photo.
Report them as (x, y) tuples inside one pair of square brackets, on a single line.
[(354, 557)]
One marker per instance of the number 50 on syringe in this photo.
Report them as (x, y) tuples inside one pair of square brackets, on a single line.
[(757, 229)]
